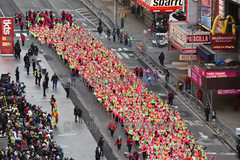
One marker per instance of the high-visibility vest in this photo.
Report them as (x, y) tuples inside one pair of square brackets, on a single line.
[(39, 73), (35, 73), (130, 37)]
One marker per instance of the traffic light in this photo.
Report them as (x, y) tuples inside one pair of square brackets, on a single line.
[(123, 15)]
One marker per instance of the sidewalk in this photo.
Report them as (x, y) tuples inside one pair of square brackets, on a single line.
[(66, 134), (222, 104)]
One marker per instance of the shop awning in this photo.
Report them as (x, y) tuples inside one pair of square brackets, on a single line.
[(152, 6)]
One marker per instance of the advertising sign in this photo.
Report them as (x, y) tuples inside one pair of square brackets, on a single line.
[(224, 25), (224, 38), (206, 13), (228, 91), (188, 57), (220, 74), (199, 70), (223, 46), (197, 78), (161, 5), (204, 39), (6, 34)]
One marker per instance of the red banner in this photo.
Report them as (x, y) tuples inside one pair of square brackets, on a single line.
[(224, 38), (7, 35), (223, 46)]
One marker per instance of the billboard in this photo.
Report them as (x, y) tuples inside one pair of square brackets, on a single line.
[(223, 46), (228, 91), (205, 13), (197, 78), (224, 38), (6, 35)]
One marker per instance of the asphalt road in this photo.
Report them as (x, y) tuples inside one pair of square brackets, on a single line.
[(84, 17)]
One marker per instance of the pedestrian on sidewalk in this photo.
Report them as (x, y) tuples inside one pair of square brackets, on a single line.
[(44, 87), (73, 78), (166, 77), (140, 71), (207, 111), (25, 59), (129, 143), (136, 71), (17, 74), (118, 143), (170, 97), (214, 116), (22, 39), (33, 65), (39, 76), (17, 51), (236, 100), (36, 76), (80, 115), (55, 79), (19, 17), (199, 94), (16, 18), (148, 75), (136, 154), (47, 79), (112, 127), (52, 102), (161, 58), (67, 88), (100, 144), (114, 34), (108, 34), (126, 38), (130, 40), (189, 82), (21, 25), (76, 113), (186, 82), (28, 66), (98, 153)]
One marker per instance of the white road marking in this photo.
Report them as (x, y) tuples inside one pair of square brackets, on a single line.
[(2, 12), (55, 7), (194, 122), (17, 34), (25, 34), (86, 13), (228, 154), (119, 56), (66, 135), (113, 49), (203, 136), (119, 49), (36, 7), (126, 56), (17, 30), (85, 18), (125, 49), (214, 153), (84, 24)]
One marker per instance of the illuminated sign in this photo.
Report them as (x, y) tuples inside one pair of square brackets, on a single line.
[(197, 78), (204, 39), (224, 38), (224, 25), (206, 13), (6, 33), (161, 5), (221, 74), (228, 91), (188, 57), (183, 38), (223, 46)]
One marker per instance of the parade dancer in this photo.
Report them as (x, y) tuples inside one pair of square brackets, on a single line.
[(148, 75)]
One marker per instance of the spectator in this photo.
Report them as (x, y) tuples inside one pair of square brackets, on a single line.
[(170, 97), (55, 79), (199, 94)]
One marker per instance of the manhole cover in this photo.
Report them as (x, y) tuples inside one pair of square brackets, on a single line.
[(47, 57)]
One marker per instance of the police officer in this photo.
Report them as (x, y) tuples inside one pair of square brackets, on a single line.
[(39, 77), (36, 76), (16, 18)]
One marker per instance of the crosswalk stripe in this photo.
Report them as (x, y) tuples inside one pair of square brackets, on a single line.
[(17, 34), (125, 49), (85, 13), (119, 49), (119, 56), (113, 49), (125, 55), (25, 34)]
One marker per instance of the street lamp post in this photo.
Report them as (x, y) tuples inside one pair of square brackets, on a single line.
[(192, 63), (115, 13)]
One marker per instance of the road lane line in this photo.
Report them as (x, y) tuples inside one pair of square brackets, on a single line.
[(118, 55), (36, 7), (2, 12), (55, 7)]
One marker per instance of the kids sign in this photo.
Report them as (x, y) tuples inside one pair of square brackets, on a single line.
[(6, 34)]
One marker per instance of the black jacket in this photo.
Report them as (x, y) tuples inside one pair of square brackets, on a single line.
[(54, 78)]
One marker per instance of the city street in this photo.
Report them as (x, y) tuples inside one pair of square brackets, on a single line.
[(86, 142)]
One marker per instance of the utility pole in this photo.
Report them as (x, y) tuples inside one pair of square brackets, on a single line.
[(115, 13)]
